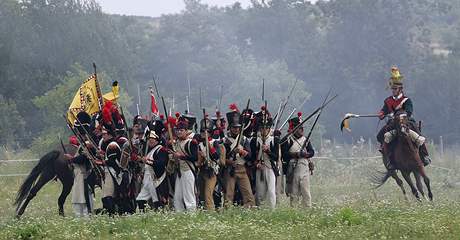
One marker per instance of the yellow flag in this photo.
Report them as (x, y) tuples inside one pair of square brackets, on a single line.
[(86, 99), (113, 95)]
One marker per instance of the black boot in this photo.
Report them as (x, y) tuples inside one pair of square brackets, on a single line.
[(424, 155), (109, 205), (141, 205)]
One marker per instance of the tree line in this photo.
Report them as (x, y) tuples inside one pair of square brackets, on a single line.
[(348, 44)]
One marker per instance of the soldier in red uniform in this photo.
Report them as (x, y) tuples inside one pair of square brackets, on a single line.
[(398, 101)]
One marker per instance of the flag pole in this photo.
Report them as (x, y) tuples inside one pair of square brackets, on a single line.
[(98, 88)]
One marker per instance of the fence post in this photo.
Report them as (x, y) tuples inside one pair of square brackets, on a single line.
[(441, 146)]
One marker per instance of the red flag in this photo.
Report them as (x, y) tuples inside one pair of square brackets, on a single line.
[(153, 103)]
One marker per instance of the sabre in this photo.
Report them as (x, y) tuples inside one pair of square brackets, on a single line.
[(346, 122)]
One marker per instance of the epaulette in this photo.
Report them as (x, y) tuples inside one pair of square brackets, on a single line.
[(194, 141)]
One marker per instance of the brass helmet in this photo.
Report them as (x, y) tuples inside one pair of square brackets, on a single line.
[(396, 79)]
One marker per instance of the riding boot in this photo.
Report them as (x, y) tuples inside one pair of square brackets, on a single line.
[(109, 205), (424, 155), (386, 158)]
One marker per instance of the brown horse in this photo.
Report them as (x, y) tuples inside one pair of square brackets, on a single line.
[(52, 165), (405, 157)]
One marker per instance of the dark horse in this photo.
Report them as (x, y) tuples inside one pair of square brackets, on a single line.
[(405, 157), (52, 165)]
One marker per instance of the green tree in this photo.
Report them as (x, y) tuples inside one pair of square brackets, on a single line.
[(11, 122)]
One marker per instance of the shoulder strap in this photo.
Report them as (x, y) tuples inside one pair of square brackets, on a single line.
[(400, 105)]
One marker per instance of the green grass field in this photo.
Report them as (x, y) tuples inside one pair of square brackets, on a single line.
[(345, 207)]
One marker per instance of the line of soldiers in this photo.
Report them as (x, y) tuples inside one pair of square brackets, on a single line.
[(166, 163)]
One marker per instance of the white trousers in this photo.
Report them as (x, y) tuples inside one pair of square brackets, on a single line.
[(301, 184), (184, 192), (80, 209), (148, 190), (265, 187)]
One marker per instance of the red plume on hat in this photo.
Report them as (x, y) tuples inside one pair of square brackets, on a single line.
[(170, 122), (109, 113), (106, 112), (233, 107)]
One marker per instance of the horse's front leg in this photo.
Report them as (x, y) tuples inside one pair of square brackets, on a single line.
[(400, 184), (411, 184), (418, 183)]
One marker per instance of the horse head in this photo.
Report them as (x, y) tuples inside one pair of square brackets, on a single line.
[(400, 122)]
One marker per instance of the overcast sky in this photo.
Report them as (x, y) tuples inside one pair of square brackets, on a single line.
[(155, 8)]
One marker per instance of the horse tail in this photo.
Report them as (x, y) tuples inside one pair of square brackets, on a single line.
[(379, 178), (34, 174)]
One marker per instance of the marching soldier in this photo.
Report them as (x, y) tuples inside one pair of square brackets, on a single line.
[(398, 101), (265, 153), (112, 169), (185, 155), (154, 186), (218, 126), (297, 153), (238, 153), (82, 197), (209, 155)]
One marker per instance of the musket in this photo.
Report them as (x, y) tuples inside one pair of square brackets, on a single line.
[(289, 117), (62, 145), (284, 139), (307, 139), (156, 89), (286, 102), (188, 106), (89, 154), (139, 97), (206, 141), (292, 112), (220, 97), (315, 122), (263, 89), (173, 106), (201, 106), (131, 146), (86, 132), (273, 162), (238, 139), (278, 112), (155, 86), (171, 165)]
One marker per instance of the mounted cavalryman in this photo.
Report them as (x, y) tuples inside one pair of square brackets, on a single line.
[(398, 101)]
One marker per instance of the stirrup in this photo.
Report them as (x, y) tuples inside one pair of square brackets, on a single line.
[(426, 160)]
